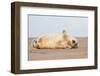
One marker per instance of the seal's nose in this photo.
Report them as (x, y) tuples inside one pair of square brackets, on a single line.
[(76, 45), (73, 41)]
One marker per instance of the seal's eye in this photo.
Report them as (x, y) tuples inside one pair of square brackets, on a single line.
[(73, 41)]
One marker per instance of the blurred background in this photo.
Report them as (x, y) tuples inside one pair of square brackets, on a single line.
[(46, 24)]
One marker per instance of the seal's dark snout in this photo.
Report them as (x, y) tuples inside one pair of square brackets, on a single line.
[(73, 41)]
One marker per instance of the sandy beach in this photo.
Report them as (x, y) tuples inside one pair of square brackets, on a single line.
[(53, 54)]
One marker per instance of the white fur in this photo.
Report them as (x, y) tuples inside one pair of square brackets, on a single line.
[(55, 41)]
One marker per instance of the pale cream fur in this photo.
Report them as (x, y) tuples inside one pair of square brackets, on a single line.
[(55, 41)]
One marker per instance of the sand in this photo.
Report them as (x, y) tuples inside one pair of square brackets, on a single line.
[(53, 54)]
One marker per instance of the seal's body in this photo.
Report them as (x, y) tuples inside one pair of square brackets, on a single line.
[(55, 41)]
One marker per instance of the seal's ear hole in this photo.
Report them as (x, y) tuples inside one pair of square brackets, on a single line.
[(73, 41)]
